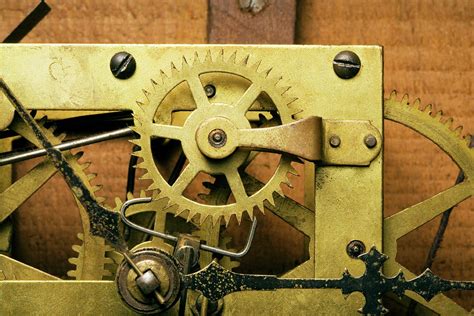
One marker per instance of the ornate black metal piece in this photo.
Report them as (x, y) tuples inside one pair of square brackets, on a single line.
[(215, 282)]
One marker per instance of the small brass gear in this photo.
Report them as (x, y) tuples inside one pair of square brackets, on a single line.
[(153, 121)]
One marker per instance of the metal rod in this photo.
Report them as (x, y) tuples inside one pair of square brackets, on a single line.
[(155, 233), (11, 157)]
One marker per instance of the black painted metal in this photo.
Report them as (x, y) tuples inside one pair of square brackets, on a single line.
[(215, 282), (30, 21)]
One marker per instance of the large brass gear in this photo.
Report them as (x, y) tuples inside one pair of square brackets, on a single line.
[(441, 131), (150, 123)]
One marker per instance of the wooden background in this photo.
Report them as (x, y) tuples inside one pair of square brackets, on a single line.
[(428, 49)]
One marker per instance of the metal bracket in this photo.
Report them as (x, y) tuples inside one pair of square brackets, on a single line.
[(350, 142)]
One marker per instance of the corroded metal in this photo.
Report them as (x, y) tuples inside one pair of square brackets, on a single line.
[(215, 282)]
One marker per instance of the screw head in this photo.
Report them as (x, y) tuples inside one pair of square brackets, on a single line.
[(370, 141), (210, 90), (123, 65), (334, 141), (217, 138), (355, 248), (346, 64)]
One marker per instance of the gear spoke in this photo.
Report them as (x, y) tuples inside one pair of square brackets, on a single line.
[(236, 185), (248, 98), (197, 90), (167, 131), (23, 188), (413, 217), (185, 178)]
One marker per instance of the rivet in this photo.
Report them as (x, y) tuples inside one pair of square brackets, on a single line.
[(217, 138), (355, 248), (210, 90), (334, 141), (370, 141)]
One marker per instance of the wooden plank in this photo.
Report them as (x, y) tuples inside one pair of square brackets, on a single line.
[(230, 22)]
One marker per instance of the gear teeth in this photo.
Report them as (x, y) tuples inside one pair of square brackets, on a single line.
[(245, 60), (405, 100), (135, 142), (61, 137), (146, 176), (439, 115), (208, 58), (220, 56), (250, 213), (267, 72), (293, 171), (449, 122), (469, 139), (270, 198), (285, 90), (96, 188), (217, 220), (153, 186), (277, 81), (233, 58), (86, 165), (256, 65), (417, 104), (196, 59), (78, 155), (238, 216), (190, 216), (100, 199), (279, 191), (203, 219), (428, 109), (163, 76), (146, 94), (174, 70), (261, 207), (184, 63), (91, 176), (458, 131), (154, 84)]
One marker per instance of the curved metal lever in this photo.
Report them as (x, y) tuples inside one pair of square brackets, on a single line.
[(174, 239)]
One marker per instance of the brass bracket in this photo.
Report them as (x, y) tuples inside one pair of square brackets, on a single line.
[(350, 142)]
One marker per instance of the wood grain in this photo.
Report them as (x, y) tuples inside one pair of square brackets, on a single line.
[(229, 24)]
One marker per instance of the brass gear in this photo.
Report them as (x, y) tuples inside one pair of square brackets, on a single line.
[(441, 131), (91, 253), (150, 121)]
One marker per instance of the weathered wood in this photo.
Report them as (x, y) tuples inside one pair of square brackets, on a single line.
[(229, 22)]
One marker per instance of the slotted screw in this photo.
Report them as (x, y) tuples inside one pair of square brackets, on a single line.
[(123, 65), (346, 64)]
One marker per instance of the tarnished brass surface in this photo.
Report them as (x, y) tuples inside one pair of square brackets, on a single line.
[(351, 149), (306, 104)]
